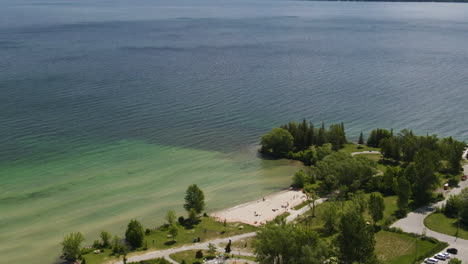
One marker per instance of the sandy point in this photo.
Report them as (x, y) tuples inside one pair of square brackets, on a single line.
[(265, 209)]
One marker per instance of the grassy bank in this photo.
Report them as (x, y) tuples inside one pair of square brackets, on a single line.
[(207, 229), (442, 224), (394, 248)]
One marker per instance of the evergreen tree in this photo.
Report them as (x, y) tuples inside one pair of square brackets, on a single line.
[(361, 139)]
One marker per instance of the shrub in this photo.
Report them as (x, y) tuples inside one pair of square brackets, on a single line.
[(148, 231), (181, 220), (96, 244), (199, 254), (452, 206)]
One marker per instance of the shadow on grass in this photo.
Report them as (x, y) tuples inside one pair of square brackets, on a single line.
[(170, 243)]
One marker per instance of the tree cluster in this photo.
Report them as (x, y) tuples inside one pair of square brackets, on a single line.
[(340, 171), (295, 140), (405, 146)]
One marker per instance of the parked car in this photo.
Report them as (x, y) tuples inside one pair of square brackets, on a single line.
[(452, 251), (431, 261), (447, 255), (446, 186), (464, 177), (439, 256)]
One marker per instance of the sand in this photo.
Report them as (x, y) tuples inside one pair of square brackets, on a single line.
[(262, 210)]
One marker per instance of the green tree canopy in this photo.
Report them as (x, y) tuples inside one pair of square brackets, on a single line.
[(71, 245), (376, 206), (194, 198), (356, 242), (278, 142), (269, 245), (134, 234)]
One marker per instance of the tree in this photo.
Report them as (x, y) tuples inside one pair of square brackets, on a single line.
[(194, 198), (105, 237), (71, 245), (360, 201), (170, 217), (117, 246), (403, 191), (361, 139), (376, 206), (426, 163), (464, 206), (192, 216), (227, 249), (330, 216), (286, 242), (455, 261), (278, 142), (173, 231), (452, 206), (299, 179), (355, 240), (211, 249), (134, 234), (312, 197)]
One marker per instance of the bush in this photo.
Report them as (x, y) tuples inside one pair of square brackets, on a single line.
[(181, 220), (97, 244), (199, 254), (389, 221), (452, 206), (148, 231)]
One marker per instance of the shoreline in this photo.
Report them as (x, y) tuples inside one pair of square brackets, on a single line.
[(261, 210)]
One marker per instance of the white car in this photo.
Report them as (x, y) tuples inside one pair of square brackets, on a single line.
[(431, 261), (440, 256), (447, 255)]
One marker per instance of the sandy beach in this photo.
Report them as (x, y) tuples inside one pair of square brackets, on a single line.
[(265, 209)]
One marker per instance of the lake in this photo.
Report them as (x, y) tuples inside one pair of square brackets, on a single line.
[(110, 109)]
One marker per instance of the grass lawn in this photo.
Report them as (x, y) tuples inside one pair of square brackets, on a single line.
[(440, 223), (393, 248), (207, 229), (351, 147), (242, 245), (188, 256)]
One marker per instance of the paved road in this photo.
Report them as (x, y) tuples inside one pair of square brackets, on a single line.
[(414, 223)]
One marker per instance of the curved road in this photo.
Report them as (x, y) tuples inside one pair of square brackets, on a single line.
[(414, 223)]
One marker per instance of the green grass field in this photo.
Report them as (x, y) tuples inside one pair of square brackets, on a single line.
[(440, 223), (393, 248), (207, 229)]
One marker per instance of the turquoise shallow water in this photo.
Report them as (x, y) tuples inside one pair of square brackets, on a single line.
[(110, 109)]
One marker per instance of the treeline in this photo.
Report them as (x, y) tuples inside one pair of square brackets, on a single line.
[(405, 145), (303, 141)]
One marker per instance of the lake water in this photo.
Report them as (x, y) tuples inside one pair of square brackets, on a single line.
[(110, 109)]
